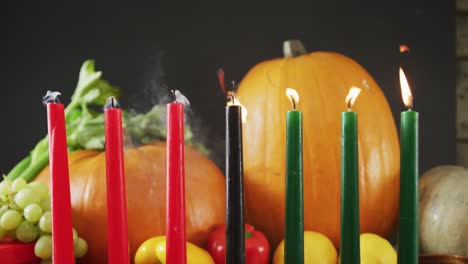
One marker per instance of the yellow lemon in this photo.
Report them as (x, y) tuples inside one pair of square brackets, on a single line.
[(317, 249), (376, 250), (195, 255), (146, 253), (153, 251)]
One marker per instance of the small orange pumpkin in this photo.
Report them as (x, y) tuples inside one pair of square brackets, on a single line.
[(322, 80), (146, 196)]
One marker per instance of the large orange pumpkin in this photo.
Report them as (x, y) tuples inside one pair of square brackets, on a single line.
[(146, 194), (322, 80)]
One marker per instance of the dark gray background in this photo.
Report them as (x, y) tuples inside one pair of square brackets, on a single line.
[(143, 45)]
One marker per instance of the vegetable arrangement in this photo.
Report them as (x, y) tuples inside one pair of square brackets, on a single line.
[(25, 210), (85, 124), (145, 171), (85, 128), (319, 78), (318, 248), (146, 194)]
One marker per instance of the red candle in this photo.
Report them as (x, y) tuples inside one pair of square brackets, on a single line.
[(117, 229), (175, 186), (62, 235)]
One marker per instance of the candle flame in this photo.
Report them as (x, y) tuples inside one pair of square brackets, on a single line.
[(405, 90), (352, 96), (234, 101), (293, 96)]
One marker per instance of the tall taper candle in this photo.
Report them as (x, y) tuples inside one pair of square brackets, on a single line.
[(117, 230), (175, 185), (294, 222), (62, 235), (235, 245), (349, 231), (408, 247)]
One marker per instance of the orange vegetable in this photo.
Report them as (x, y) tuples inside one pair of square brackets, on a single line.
[(322, 80), (146, 195)]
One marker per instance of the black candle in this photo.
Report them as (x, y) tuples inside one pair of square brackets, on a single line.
[(235, 245)]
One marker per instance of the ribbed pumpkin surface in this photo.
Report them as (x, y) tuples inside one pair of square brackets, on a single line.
[(322, 80), (146, 195)]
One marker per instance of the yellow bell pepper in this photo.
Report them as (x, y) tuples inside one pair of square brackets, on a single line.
[(153, 251)]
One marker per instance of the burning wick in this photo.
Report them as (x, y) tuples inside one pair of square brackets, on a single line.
[(51, 97), (111, 102), (222, 83), (352, 96), (231, 98), (293, 96), (230, 94)]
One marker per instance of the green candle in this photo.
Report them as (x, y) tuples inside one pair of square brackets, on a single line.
[(408, 235), (349, 231), (294, 229)]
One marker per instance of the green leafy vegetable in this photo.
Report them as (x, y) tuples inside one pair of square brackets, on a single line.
[(90, 91), (85, 127)]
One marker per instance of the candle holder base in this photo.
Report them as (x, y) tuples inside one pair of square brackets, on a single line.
[(17, 252)]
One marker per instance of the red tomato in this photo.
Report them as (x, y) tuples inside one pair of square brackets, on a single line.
[(257, 249)]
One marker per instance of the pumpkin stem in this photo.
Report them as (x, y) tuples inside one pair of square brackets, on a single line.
[(293, 48)]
